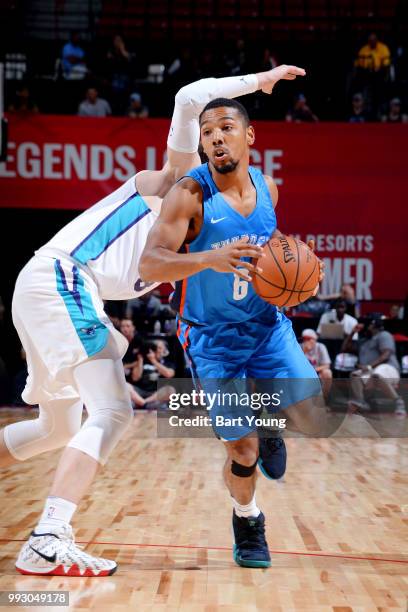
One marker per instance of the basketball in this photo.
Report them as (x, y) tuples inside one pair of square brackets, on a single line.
[(290, 272)]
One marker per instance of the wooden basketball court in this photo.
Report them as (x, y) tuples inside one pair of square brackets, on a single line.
[(336, 526)]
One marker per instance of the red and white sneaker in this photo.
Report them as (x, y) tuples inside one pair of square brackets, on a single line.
[(56, 554)]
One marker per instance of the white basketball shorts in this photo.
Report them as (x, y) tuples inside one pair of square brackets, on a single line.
[(61, 322)]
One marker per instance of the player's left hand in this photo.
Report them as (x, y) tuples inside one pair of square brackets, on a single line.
[(311, 245), (267, 80)]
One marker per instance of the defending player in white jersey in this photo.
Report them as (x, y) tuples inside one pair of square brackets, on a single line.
[(73, 351)]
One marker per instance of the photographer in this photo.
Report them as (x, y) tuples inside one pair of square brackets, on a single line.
[(148, 369), (377, 367)]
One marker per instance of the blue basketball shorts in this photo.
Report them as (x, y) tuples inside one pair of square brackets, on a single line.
[(231, 361)]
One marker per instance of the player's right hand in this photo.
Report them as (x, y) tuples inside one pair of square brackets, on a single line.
[(228, 258)]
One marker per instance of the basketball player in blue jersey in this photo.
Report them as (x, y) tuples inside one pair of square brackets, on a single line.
[(211, 224), (73, 351)]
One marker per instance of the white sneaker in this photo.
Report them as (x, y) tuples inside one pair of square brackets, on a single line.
[(56, 554)]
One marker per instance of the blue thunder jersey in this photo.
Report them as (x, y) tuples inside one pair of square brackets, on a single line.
[(209, 297)]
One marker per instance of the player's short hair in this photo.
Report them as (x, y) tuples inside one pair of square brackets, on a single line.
[(229, 103)]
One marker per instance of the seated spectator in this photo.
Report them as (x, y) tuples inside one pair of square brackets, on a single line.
[(73, 59), (149, 369), (300, 112), (136, 109), (339, 315), (374, 56), (317, 354), (358, 110), (23, 103), (132, 354), (93, 106), (394, 114), (377, 368)]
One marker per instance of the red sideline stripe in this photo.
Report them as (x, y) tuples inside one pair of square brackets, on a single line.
[(275, 552)]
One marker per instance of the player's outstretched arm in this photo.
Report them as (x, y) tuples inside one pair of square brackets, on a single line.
[(184, 134), (160, 261)]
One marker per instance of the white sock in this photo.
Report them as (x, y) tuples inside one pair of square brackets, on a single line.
[(57, 512), (246, 510)]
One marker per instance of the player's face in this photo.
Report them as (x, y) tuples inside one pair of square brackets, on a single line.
[(225, 138)]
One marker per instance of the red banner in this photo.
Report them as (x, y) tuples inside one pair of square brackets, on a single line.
[(344, 185)]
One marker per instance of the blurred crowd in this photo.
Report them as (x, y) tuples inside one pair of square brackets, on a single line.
[(117, 80), (371, 351)]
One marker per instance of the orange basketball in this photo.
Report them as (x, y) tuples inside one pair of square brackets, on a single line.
[(290, 272)]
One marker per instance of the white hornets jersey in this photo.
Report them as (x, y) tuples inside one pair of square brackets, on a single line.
[(108, 240)]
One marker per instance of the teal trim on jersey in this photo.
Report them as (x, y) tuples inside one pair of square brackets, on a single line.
[(91, 331), (110, 229)]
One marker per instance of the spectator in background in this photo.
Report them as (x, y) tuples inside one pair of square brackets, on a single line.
[(73, 59), (23, 102), (358, 111), (132, 359), (394, 114), (375, 56), (300, 112), (148, 370), (93, 106), (317, 354), (395, 312), (347, 294), (132, 354), (182, 69), (136, 109), (338, 315), (372, 71), (119, 66), (377, 367)]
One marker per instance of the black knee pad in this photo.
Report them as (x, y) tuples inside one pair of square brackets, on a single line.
[(244, 471)]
